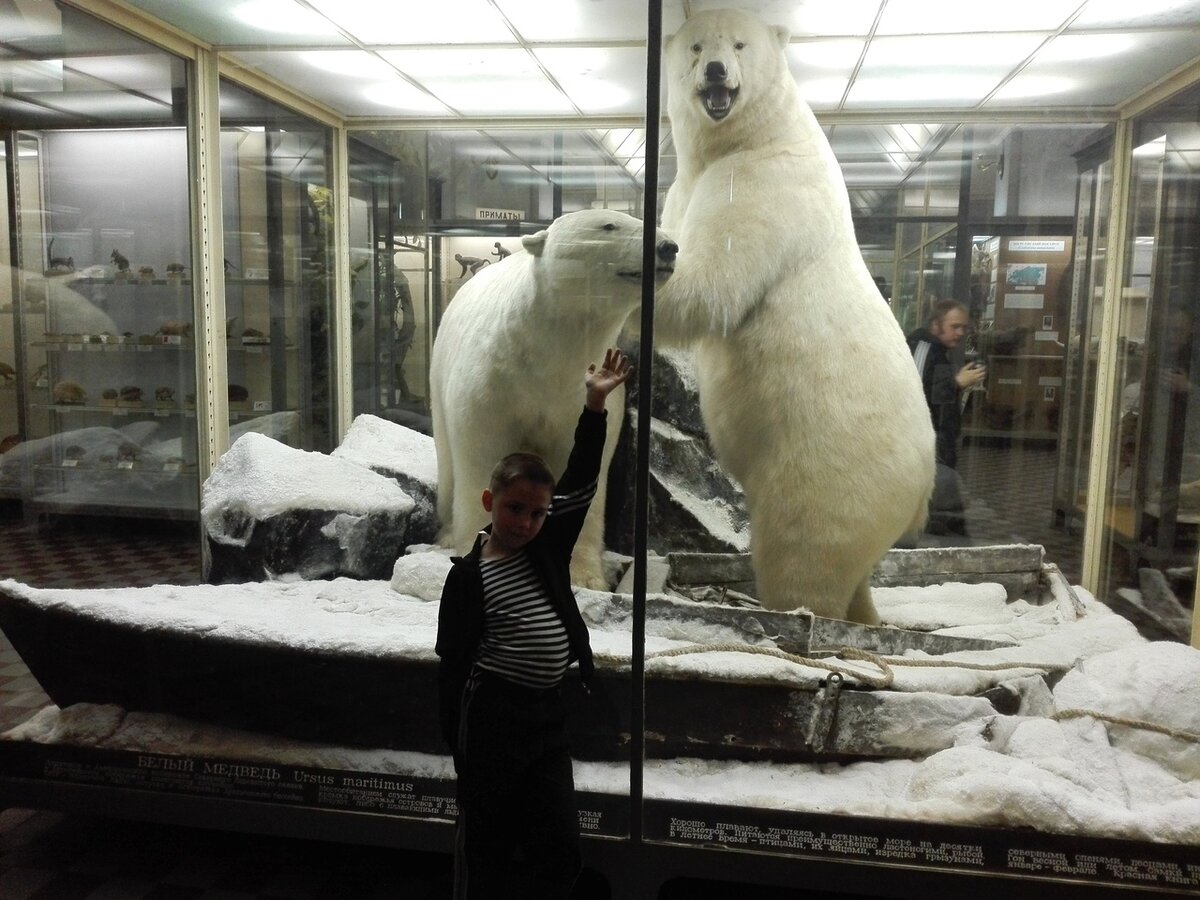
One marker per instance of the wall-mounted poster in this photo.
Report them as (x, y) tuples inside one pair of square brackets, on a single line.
[(1026, 274)]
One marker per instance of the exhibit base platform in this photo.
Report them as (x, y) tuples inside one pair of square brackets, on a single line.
[(868, 857)]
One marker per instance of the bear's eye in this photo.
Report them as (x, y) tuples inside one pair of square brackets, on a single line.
[(696, 48), (610, 227), (740, 45)]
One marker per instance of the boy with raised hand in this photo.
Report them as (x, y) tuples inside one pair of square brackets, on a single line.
[(508, 629)]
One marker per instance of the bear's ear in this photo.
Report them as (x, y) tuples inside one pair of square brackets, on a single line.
[(782, 34), (534, 243)]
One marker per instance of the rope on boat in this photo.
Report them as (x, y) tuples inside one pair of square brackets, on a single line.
[(883, 663), (1063, 714)]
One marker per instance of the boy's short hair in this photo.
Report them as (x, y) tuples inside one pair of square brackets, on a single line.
[(943, 308), (520, 467)]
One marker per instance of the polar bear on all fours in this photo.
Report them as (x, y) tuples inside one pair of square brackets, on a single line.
[(510, 357), (807, 388)]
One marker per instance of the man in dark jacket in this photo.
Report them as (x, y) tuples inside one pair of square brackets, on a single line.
[(943, 383), (508, 628)]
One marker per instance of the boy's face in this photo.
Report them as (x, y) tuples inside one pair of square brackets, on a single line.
[(518, 513)]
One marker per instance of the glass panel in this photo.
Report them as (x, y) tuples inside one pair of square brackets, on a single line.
[(1155, 511), (98, 403), (466, 307), (1079, 383), (279, 270), (1015, 281)]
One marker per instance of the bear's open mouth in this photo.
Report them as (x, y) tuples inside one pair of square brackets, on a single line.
[(659, 272), (718, 100)]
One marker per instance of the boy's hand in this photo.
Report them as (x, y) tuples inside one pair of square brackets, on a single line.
[(602, 381)]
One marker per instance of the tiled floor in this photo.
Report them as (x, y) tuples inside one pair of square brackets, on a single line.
[(51, 856)]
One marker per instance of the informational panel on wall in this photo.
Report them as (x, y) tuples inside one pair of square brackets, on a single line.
[(1021, 336)]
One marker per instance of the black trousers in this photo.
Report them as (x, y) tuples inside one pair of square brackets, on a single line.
[(516, 792)]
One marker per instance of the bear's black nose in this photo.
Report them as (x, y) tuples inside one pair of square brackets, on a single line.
[(715, 71), (668, 250)]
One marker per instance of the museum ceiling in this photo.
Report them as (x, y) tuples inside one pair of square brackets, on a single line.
[(891, 79)]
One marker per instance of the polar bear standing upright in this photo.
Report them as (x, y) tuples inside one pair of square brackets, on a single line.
[(508, 364), (807, 388)]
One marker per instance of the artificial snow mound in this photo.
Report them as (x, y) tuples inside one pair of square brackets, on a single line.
[(259, 477)]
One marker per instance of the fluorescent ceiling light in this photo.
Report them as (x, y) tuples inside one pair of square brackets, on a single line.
[(822, 91), (1029, 86), (957, 16), (1118, 13), (354, 63), (439, 22), (479, 66), (969, 51), (283, 17), (921, 88), (1077, 47), (837, 54), (599, 80), (400, 95)]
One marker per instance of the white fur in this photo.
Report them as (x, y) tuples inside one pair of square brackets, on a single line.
[(511, 357), (807, 387)]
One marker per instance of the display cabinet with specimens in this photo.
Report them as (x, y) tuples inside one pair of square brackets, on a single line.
[(99, 408)]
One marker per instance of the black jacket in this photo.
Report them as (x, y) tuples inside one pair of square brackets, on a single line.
[(941, 392), (460, 616)]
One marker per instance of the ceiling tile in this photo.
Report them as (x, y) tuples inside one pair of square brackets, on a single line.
[(1143, 14), (959, 16), (246, 22), (601, 81), (822, 68), (1061, 78), (481, 82), (590, 22), (441, 22), (807, 17), (376, 90)]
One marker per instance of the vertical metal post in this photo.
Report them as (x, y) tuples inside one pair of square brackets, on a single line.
[(1095, 532), (208, 261), (645, 387), (341, 379)]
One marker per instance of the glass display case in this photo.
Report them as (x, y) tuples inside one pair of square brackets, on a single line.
[(279, 270), (1154, 506), (99, 397)]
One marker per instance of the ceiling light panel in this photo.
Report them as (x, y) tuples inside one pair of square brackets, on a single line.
[(803, 17), (937, 71), (959, 17), (361, 83), (822, 68), (1067, 78), (483, 82), (601, 81), (441, 22), (1143, 14), (585, 20), (246, 22)]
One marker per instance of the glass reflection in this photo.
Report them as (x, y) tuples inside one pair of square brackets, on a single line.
[(279, 270), (1154, 514)]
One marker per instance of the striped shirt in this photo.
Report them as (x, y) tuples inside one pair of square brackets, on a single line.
[(524, 639)]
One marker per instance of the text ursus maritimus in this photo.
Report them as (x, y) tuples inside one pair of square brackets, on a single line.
[(511, 355), (807, 387)]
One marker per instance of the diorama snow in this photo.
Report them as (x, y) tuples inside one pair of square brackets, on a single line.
[(259, 477), (376, 443), (1076, 776)]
